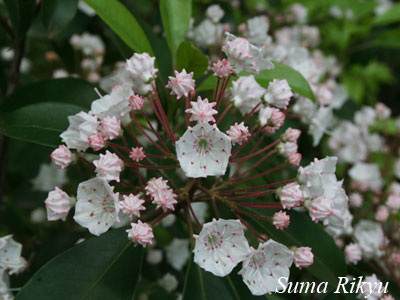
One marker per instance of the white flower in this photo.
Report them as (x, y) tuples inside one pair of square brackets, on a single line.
[(287, 148), (339, 222), (370, 237), (108, 166), (320, 122), (202, 111), (215, 13), (161, 194), (140, 233), (370, 290), (303, 257), (265, 115), (320, 208), (365, 117), (89, 44), (356, 200), (220, 246), (238, 133), (246, 93), (142, 72), (62, 157), (290, 195), (262, 268), (299, 13), (352, 253), (366, 175), (81, 127), (169, 282), (305, 108), (110, 127), (177, 253), (203, 151), (154, 256), (10, 255), (49, 177), (97, 206), (393, 202), (382, 111), (207, 34), (58, 204), (182, 84), (257, 30), (131, 205), (244, 56), (278, 93), (382, 213)]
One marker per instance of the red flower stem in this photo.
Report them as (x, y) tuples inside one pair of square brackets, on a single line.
[(224, 113), (222, 91), (208, 192), (243, 162), (251, 229), (257, 152), (125, 142), (119, 154), (258, 187), (252, 195), (271, 205), (132, 132), (261, 174), (148, 137), (86, 161), (192, 212), (118, 146), (160, 217), (216, 90), (151, 167), (157, 113), (162, 114), (243, 212), (255, 165), (252, 112), (248, 141), (155, 132)]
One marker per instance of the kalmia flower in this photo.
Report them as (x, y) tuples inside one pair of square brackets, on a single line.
[(382, 214), (61, 157), (182, 84), (203, 151), (202, 110), (141, 70), (320, 208), (108, 166), (215, 13), (287, 148), (370, 237), (140, 233), (238, 133), (220, 246), (246, 93), (278, 93), (97, 205), (291, 135), (110, 127), (10, 258), (222, 68), (136, 102), (290, 195), (131, 205), (294, 159), (353, 253), (303, 257), (356, 199), (393, 202), (281, 220), (58, 204), (137, 154), (161, 194), (96, 141), (263, 267)]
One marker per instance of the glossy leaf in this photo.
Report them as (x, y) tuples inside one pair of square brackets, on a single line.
[(175, 16), (191, 59), (105, 267), (57, 14), (123, 23)]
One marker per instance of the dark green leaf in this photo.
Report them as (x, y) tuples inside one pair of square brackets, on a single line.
[(118, 17), (105, 267), (392, 15), (40, 123), (21, 14), (281, 71), (191, 59), (175, 16), (57, 14)]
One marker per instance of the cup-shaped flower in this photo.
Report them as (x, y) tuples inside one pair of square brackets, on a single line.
[(97, 206), (220, 246), (10, 255), (203, 151), (263, 267)]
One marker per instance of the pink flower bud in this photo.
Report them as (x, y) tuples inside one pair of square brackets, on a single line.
[(303, 257), (182, 84), (291, 135), (295, 159), (58, 204), (222, 68), (393, 202), (131, 205), (136, 102), (353, 253), (278, 93), (96, 141), (320, 208), (277, 118), (137, 154), (238, 133), (382, 214), (287, 148), (281, 220), (141, 233), (110, 127), (356, 200), (290, 195), (61, 157)]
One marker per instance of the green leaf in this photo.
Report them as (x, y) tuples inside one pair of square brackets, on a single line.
[(191, 59), (281, 71), (40, 123), (175, 15), (392, 15), (329, 262), (57, 14), (65, 90), (21, 14), (124, 24), (105, 267)]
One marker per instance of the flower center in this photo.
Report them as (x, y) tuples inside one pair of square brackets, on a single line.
[(257, 261), (203, 143), (213, 240)]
